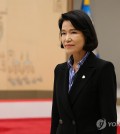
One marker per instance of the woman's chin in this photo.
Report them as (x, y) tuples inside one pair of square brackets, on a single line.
[(69, 52)]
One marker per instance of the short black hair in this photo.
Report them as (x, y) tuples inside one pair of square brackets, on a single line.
[(82, 22)]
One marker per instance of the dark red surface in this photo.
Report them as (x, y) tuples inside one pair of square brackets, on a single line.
[(27, 126)]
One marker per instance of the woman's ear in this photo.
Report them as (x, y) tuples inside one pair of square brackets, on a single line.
[(61, 45)]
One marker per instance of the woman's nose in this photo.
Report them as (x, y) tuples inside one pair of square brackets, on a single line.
[(68, 38)]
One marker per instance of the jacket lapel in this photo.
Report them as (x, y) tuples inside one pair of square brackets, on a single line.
[(82, 77)]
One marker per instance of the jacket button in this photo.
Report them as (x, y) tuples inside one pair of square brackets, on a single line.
[(60, 121), (73, 122)]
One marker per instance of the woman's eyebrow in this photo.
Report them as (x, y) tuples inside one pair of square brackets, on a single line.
[(69, 30)]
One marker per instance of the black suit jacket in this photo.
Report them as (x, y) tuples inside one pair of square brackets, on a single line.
[(92, 97)]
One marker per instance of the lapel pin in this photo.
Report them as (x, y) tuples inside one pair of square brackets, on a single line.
[(83, 77)]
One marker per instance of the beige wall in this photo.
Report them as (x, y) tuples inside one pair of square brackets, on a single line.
[(29, 43)]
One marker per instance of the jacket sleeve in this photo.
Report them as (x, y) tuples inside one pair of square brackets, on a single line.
[(107, 99), (55, 114)]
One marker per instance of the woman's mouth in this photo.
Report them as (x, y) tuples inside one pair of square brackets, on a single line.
[(69, 45)]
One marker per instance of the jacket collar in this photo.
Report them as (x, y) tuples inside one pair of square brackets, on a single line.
[(89, 62)]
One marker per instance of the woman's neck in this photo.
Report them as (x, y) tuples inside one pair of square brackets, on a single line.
[(78, 57)]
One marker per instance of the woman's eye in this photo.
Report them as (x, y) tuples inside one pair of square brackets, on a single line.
[(63, 33), (74, 32)]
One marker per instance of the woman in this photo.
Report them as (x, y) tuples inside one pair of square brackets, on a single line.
[(84, 98)]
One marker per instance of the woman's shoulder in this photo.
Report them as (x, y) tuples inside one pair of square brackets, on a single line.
[(61, 66), (98, 62), (102, 63)]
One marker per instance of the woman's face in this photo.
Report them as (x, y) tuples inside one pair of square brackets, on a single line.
[(72, 39)]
